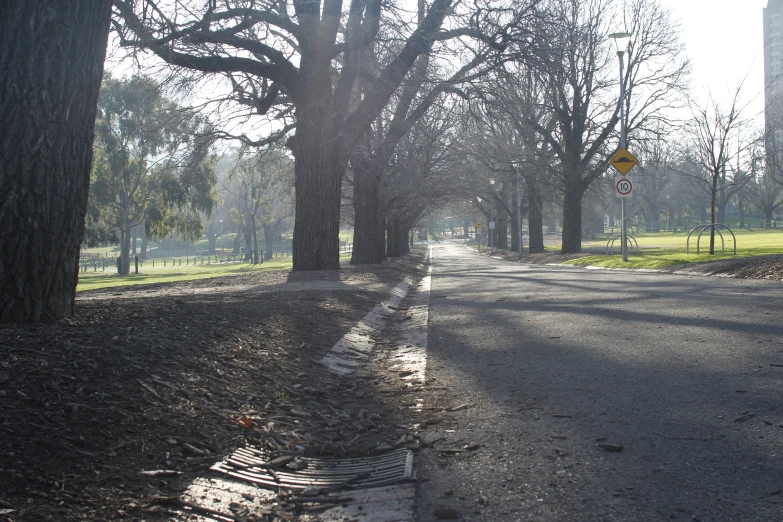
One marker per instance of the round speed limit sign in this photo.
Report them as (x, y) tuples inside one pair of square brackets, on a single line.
[(623, 187)]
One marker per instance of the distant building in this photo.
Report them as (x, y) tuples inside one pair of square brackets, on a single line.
[(773, 64)]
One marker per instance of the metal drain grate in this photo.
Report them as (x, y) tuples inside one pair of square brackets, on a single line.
[(252, 464)]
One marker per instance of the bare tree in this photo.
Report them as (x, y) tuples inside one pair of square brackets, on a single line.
[(721, 145), (579, 80), (310, 54)]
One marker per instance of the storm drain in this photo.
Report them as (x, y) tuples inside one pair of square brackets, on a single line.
[(253, 465)]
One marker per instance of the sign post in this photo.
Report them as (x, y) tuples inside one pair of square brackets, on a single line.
[(623, 162), (492, 239)]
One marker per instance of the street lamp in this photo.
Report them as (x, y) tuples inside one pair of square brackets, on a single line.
[(515, 164), (478, 239), (621, 41), (491, 222)]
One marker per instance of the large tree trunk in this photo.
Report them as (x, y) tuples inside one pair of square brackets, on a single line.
[(381, 243), (51, 55), (392, 241), (367, 215), (321, 158), (572, 217)]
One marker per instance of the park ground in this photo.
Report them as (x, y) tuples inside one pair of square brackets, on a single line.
[(153, 378)]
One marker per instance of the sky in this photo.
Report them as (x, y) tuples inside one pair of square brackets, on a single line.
[(725, 42)]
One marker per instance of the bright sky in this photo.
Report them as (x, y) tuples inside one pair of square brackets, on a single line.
[(724, 40)]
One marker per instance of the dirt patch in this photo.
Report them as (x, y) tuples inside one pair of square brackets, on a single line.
[(159, 383), (759, 267)]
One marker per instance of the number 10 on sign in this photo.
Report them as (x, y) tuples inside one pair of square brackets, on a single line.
[(623, 187)]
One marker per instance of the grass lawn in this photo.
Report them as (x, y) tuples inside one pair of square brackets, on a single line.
[(658, 250), (96, 280)]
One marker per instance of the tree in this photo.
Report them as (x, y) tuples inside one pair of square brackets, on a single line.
[(153, 165), (308, 54), (721, 147), (579, 79), (51, 55), (261, 186)]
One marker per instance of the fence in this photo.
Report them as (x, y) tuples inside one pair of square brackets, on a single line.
[(99, 263)]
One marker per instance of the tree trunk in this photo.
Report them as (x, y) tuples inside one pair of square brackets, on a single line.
[(514, 229), (52, 62), (211, 239), (367, 216), (720, 207), (712, 214), (381, 243), (501, 231), (572, 218), (247, 232), (238, 241), (321, 159), (392, 241), (741, 210), (535, 220), (269, 241), (254, 253), (125, 233)]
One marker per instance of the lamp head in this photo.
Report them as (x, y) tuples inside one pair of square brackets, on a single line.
[(621, 41)]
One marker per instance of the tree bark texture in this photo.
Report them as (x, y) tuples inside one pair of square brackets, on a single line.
[(572, 218), (51, 55), (319, 168), (367, 216)]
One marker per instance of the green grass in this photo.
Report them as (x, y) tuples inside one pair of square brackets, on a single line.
[(660, 250), (97, 280)]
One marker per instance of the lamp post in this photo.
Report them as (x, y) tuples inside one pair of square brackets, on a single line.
[(515, 164), (621, 41), (478, 237), (491, 223)]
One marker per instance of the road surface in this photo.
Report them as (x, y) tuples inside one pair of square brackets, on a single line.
[(601, 395)]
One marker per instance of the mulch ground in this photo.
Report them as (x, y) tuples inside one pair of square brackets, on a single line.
[(110, 415)]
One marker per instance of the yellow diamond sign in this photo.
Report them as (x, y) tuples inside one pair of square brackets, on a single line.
[(478, 225), (623, 161)]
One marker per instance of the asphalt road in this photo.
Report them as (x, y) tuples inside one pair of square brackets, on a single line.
[(684, 373)]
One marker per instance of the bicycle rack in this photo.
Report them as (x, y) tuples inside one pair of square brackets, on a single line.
[(702, 229), (629, 239)]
